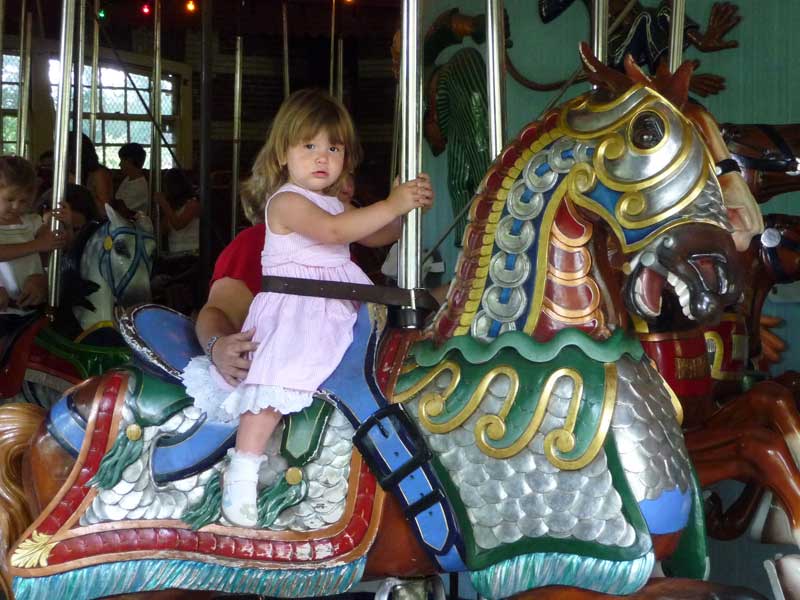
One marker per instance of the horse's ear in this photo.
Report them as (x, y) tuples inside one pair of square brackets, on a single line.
[(602, 75), (144, 223), (114, 217), (675, 86), (634, 71)]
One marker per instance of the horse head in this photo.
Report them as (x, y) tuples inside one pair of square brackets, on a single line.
[(119, 258), (615, 190)]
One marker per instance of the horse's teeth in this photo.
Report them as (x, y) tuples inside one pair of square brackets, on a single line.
[(680, 287), (672, 279)]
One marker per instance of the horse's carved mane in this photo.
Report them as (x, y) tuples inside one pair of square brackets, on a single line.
[(673, 86)]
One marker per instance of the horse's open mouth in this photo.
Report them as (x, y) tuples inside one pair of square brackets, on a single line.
[(647, 292), (701, 283)]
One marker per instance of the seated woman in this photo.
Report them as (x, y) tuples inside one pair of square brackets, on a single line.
[(174, 273), (181, 209)]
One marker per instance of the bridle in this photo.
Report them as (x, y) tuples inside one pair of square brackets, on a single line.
[(118, 288), (772, 240)]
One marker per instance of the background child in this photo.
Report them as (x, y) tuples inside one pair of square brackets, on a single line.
[(23, 236), (134, 191), (310, 147)]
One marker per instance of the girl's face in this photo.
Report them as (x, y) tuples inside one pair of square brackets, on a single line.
[(13, 203), (315, 164)]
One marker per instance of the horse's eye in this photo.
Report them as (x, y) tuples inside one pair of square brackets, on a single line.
[(647, 130), (122, 249)]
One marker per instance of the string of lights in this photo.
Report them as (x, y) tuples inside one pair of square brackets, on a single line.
[(146, 8)]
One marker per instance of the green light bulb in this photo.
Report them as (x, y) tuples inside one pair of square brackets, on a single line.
[(101, 14)]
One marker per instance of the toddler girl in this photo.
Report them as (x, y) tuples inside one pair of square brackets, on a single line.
[(310, 149)]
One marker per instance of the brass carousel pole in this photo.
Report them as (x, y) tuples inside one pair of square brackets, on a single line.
[(409, 276), (95, 72), (77, 125), (676, 34), (495, 75), (62, 126), (285, 23), (237, 127), (600, 30), (26, 31), (340, 69), (333, 37), (2, 51), (206, 79), (155, 107)]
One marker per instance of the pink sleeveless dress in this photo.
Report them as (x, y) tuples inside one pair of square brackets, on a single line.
[(301, 339)]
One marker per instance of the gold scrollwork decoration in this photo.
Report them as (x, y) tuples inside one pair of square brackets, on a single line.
[(416, 388), (582, 179), (564, 439), (433, 407), (33, 552), (631, 205)]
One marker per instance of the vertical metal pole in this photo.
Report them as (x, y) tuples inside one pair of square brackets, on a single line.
[(206, 75), (95, 72), (676, 34), (285, 19), (62, 125), (395, 135), (155, 104), (23, 10), (495, 75), (340, 69), (25, 95), (80, 59), (237, 133), (333, 37), (2, 58), (410, 240), (600, 30)]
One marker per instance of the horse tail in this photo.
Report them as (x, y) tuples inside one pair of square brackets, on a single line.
[(18, 424)]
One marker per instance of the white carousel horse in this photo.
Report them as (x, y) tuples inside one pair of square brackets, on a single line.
[(118, 259)]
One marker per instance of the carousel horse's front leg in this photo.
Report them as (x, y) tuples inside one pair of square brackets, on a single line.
[(748, 454), (729, 524), (767, 404)]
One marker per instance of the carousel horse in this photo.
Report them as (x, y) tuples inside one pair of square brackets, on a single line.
[(108, 265), (523, 436)]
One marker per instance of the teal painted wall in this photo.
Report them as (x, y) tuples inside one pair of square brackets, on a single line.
[(762, 85)]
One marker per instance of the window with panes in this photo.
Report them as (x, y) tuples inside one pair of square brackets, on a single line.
[(121, 109)]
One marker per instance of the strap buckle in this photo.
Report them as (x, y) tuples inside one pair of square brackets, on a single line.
[(399, 421)]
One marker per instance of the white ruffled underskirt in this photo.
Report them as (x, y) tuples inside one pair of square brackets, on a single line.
[(226, 404)]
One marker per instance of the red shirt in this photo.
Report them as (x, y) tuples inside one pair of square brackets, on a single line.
[(241, 259)]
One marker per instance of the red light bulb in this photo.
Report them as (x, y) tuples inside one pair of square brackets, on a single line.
[(146, 8)]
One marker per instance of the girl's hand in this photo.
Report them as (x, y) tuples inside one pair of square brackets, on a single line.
[(4, 298), (230, 355), (63, 213), (47, 240), (416, 193)]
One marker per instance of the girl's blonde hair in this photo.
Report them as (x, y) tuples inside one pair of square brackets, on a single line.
[(301, 116)]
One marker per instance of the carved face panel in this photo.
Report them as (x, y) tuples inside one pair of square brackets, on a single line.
[(652, 179)]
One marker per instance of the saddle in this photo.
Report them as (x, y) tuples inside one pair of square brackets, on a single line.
[(163, 342)]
